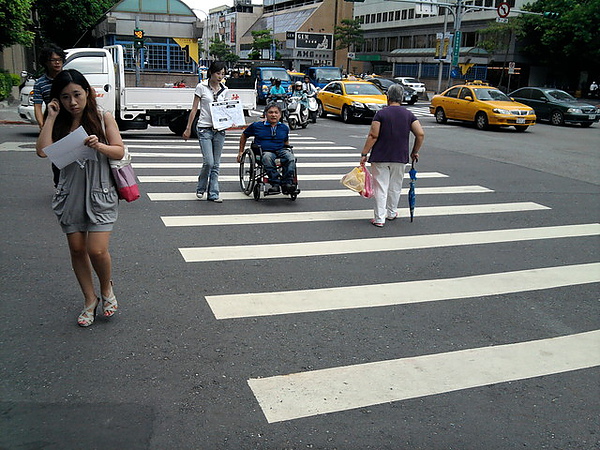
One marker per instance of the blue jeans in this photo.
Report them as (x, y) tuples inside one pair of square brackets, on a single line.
[(211, 144), (288, 162)]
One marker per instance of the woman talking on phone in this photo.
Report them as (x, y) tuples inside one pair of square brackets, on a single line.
[(85, 200)]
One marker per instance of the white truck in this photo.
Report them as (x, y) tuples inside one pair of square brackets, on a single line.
[(134, 107)]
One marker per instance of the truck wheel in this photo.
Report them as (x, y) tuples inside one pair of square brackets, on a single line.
[(177, 125)]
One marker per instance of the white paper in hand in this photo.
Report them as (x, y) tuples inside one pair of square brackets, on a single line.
[(227, 114), (70, 149)]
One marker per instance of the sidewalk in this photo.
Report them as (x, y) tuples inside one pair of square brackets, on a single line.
[(9, 114)]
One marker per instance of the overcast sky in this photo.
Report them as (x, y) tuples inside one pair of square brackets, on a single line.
[(205, 5)]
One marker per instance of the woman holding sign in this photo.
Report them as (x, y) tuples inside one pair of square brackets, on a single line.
[(211, 138), (85, 200)]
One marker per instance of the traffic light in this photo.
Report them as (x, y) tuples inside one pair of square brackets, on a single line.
[(551, 15), (138, 38)]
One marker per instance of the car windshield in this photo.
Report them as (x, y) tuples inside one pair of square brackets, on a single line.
[(327, 75), (386, 83), (560, 95), (282, 74), (362, 89), (491, 94), (411, 80)]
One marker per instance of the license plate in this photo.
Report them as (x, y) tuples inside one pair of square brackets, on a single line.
[(592, 116), (520, 120)]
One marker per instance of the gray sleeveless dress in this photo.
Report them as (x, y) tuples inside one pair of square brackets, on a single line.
[(86, 197)]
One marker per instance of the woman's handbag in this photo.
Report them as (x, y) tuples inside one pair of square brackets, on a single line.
[(122, 171), (355, 179)]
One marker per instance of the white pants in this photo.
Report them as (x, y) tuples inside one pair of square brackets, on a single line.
[(387, 185)]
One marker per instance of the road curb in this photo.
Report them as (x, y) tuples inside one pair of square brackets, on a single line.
[(14, 122)]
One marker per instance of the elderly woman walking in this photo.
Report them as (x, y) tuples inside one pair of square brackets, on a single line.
[(388, 143)]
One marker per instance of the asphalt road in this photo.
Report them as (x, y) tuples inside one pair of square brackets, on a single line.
[(473, 327)]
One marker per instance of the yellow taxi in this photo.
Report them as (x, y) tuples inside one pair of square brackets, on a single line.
[(351, 100), (483, 105), (296, 76)]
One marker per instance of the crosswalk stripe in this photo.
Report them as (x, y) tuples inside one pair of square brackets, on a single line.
[(382, 244), (305, 394), (316, 216), (234, 165), (198, 155), (230, 306), (236, 147), (305, 177), (445, 190)]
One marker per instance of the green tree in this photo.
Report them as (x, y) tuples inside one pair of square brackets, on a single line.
[(69, 22), (15, 17), (347, 35), (496, 39), (221, 51), (262, 40), (567, 44)]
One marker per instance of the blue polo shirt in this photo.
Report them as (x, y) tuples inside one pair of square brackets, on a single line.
[(269, 138)]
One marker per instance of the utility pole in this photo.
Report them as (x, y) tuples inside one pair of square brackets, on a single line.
[(138, 55)]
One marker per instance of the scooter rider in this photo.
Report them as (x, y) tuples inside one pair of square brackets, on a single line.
[(308, 87), (277, 88), (301, 95)]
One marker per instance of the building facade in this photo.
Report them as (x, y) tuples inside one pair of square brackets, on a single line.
[(403, 39), (171, 32)]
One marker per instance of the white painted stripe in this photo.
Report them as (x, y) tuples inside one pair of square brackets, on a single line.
[(235, 165), (230, 306), (305, 394), (302, 177), (383, 244), (445, 190), (198, 155), (236, 147), (320, 216)]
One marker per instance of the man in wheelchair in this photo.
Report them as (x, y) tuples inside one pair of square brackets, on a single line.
[(273, 137)]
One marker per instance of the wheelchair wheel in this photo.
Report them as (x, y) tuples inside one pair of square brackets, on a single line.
[(247, 172)]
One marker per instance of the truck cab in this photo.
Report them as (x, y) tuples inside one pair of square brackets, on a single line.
[(97, 66), (321, 76)]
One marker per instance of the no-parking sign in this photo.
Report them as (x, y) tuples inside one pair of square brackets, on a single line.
[(503, 9)]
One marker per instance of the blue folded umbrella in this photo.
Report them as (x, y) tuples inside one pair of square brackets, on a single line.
[(412, 198)]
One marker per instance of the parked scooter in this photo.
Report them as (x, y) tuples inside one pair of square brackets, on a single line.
[(298, 114)]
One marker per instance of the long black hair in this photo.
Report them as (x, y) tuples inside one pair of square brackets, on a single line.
[(215, 66), (90, 120)]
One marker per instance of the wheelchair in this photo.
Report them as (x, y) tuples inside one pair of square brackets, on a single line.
[(253, 176)]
